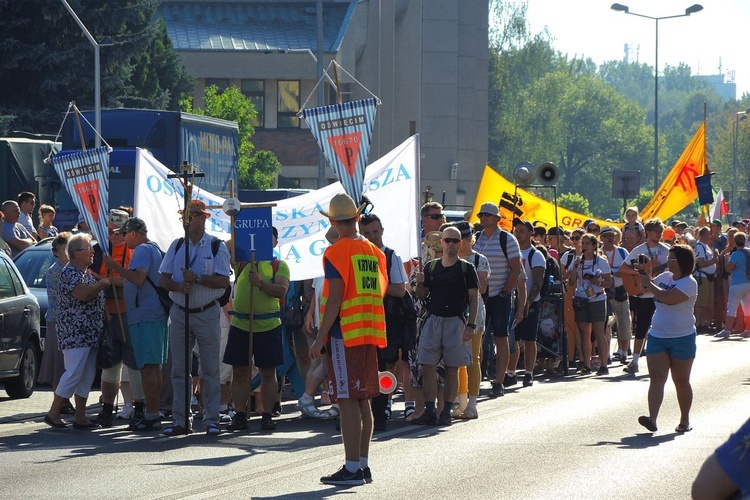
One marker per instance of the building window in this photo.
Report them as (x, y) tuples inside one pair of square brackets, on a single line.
[(255, 91), (288, 104), (221, 83), (289, 182)]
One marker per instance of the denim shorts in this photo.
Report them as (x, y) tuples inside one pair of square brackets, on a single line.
[(677, 347)]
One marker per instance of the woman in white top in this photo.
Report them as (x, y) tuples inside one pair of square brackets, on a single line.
[(590, 275), (671, 338)]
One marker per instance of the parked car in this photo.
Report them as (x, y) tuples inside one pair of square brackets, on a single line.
[(33, 263), (20, 332)]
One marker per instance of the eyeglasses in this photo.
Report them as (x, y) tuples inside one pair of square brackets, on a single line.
[(575, 238), (84, 248), (434, 216), (455, 241)]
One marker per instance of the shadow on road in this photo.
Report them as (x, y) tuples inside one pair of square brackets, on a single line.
[(639, 441)]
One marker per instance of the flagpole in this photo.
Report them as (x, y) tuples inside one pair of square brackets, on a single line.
[(418, 188)]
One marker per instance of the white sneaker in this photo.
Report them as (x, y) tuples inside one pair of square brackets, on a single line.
[(724, 334), (126, 413)]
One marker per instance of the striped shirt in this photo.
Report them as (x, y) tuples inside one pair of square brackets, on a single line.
[(202, 262), (489, 246)]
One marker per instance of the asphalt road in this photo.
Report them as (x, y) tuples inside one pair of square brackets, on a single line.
[(562, 438)]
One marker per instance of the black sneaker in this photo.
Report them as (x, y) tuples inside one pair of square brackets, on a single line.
[(497, 390), (367, 475), (425, 419), (528, 380), (276, 412), (105, 420), (239, 422), (146, 425), (444, 419), (266, 423), (603, 371), (345, 478), (510, 380)]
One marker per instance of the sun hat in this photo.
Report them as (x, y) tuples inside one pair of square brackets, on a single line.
[(197, 207), (342, 207), (489, 208)]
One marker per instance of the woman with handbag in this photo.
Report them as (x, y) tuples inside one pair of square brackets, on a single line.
[(671, 337), (590, 275), (80, 322)]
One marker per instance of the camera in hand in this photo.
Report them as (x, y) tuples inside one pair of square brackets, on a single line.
[(588, 276), (642, 259)]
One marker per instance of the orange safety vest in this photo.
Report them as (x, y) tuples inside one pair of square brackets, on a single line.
[(362, 267)]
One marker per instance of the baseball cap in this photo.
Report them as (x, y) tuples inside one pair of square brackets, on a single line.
[(716, 222), (133, 224), (117, 217), (521, 222), (668, 234), (464, 227)]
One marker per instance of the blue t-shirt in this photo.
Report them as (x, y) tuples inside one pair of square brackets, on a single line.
[(331, 273), (142, 302), (734, 457), (738, 275)]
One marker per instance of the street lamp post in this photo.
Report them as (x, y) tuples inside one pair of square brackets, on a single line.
[(97, 77), (690, 10), (740, 115)]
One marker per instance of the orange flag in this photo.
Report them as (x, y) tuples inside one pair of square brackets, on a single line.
[(679, 188)]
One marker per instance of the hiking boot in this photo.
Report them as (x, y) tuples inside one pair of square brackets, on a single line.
[(344, 478), (528, 380), (497, 390), (425, 419), (239, 422)]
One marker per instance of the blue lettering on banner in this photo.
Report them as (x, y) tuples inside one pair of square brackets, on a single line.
[(387, 177)]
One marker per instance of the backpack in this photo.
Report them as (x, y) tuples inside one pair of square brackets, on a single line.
[(164, 299), (291, 309), (215, 245), (433, 263), (747, 262), (503, 237), (552, 282)]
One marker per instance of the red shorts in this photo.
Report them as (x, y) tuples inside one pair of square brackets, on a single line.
[(353, 371)]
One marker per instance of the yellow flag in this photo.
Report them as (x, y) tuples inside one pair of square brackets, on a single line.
[(679, 188), (496, 189)]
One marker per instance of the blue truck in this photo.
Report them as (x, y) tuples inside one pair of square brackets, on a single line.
[(170, 136)]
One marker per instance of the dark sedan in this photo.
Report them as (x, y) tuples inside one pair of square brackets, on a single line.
[(33, 263)]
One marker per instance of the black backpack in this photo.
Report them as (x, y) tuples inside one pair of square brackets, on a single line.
[(215, 244), (163, 293), (552, 282)]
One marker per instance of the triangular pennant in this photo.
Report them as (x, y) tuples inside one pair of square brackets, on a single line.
[(85, 175), (344, 132)]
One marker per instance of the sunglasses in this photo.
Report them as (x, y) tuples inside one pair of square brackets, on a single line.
[(593, 230), (575, 238), (434, 216), (455, 241), (485, 214)]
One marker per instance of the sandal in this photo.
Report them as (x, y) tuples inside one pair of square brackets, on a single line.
[(469, 414), (647, 423), (408, 412), (213, 430), (177, 430), (683, 428)]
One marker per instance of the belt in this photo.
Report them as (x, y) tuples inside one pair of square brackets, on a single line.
[(198, 309), (240, 315)]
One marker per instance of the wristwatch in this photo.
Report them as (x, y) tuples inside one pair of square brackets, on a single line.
[(198, 279), (473, 326)]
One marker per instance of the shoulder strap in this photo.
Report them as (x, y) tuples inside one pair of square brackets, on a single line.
[(503, 237), (623, 253), (215, 243), (388, 262), (531, 255), (180, 241), (476, 260)]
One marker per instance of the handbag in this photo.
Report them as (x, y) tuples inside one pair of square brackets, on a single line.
[(621, 295), (110, 347), (580, 302)]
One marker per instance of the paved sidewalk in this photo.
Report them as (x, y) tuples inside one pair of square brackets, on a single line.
[(35, 407)]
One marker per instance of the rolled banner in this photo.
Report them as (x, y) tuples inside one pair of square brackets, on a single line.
[(386, 382)]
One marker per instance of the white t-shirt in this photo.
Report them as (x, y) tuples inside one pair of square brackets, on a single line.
[(702, 251), (658, 256), (598, 265), (537, 260), (677, 320), (615, 258)]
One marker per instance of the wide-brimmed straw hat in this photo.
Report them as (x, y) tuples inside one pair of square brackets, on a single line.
[(342, 207), (197, 207)]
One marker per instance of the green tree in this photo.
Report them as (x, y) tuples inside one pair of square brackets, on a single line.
[(46, 61), (574, 202), (255, 171)]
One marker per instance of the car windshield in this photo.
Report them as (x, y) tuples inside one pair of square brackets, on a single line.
[(33, 265)]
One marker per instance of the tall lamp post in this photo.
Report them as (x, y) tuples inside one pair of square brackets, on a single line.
[(97, 77), (740, 115), (690, 10)]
